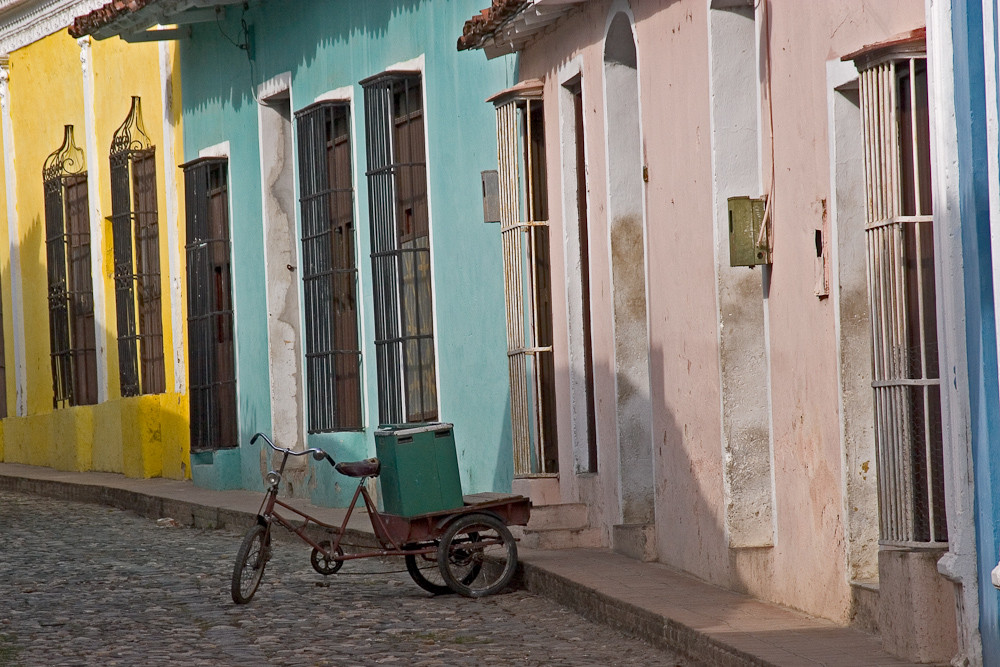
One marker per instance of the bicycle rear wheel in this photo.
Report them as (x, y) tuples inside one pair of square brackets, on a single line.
[(250, 562), (423, 569), (477, 555)]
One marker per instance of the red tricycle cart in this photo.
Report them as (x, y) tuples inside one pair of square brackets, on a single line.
[(468, 550)]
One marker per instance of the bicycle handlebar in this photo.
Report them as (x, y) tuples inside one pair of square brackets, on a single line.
[(317, 454)]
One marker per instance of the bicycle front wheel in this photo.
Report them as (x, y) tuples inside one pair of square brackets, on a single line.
[(477, 555), (250, 562)]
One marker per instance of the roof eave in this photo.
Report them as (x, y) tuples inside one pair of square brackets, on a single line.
[(508, 25), (908, 44), (137, 20)]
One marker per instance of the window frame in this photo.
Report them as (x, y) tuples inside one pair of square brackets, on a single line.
[(329, 268), (573, 89), (135, 234), (212, 389), (399, 219), (525, 230), (906, 374), (72, 326)]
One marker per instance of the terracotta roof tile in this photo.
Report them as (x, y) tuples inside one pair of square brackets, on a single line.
[(102, 16), (481, 27)]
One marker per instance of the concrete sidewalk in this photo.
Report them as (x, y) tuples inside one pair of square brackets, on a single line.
[(647, 600)]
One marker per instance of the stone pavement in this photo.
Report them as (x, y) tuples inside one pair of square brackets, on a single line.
[(85, 584), (646, 600)]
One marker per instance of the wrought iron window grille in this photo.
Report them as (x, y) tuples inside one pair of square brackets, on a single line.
[(400, 240), (72, 337), (899, 231), (330, 274), (527, 279), (67, 160), (135, 232), (211, 349)]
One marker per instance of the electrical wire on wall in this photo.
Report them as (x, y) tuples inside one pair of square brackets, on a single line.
[(242, 42), (765, 235)]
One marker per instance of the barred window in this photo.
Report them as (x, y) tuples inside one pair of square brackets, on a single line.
[(211, 352), (329, 269), (71, 295), (401, 269), (136, 237), (900, 231), (528, 279)]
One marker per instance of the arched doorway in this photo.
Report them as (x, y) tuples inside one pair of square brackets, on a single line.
[(628, 274)]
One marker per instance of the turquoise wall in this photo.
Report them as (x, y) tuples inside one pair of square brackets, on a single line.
[(328, 45)]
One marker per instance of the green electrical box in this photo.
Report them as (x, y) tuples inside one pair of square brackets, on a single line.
[(746, 215), (419, 468)]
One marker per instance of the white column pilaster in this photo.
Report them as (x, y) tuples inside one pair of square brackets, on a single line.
[(17, 294), (173, 223), (96, 219)]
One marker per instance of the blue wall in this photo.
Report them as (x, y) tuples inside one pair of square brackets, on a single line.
[(327, 45), (984, 397)]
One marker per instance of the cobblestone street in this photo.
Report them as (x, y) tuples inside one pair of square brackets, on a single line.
[(88, 585)]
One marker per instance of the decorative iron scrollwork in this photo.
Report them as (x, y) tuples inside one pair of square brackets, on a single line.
[(57, 292), (131, 136), (67, 160)]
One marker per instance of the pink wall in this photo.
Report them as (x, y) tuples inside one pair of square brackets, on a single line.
[(806, 567)]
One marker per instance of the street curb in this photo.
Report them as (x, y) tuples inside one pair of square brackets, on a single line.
[(584, 584), (152, 507), (629, 619), (186, 513), (599, 608)]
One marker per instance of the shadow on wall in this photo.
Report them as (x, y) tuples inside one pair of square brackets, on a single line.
[(254, 418), (23, 441), (141, 436), (690, 531), (504, 468), (316, 25)]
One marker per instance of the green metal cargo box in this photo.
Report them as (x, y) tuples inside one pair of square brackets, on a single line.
[(419, 468)]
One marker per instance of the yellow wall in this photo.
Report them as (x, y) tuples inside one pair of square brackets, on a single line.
[(46, 93), (122, 70), (6, 299), (142, 436)]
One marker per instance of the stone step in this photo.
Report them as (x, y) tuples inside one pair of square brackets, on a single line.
[(578, 538), (558, 526), (564, 516)]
